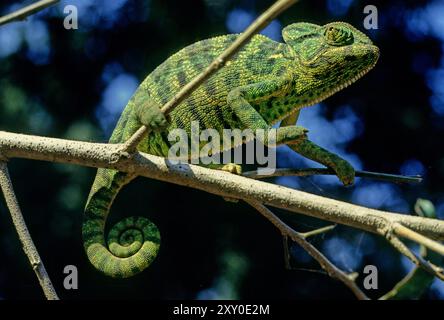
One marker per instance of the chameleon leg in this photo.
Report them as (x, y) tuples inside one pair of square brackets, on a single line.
[(229, 167), (238, 99), (146, 111), (140, 110), (294, 136), (251, 119), (310, 150), (342, 168)]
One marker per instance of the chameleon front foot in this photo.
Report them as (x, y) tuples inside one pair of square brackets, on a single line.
[(344, 171), (232, 168)]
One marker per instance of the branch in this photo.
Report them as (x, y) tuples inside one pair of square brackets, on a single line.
[(115, 156), (404, 232), (261, 22), (316, 232), (23, 233), (417, 260), (417, 281), (130, 146), (23, 13), (102, 155), (331, 269), (286, 172)]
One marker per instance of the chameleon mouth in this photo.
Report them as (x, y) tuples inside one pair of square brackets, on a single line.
[(342, 85)]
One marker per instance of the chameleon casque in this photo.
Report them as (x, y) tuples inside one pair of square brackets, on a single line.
[(264, 83)]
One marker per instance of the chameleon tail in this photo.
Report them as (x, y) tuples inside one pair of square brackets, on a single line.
[(133, 243)]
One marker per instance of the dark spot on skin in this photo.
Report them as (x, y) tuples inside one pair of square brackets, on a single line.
[(222, 119), (210, 89), (182, 78), (322, 76), (232, 81), (164, 136), (281, 70), (350, 58), (156, 77), (265, 46), (229, 40)]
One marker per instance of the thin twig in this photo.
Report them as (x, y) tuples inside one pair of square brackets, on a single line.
[(261, 22), (329, 267), (418, 280), (417, 260), (286, 252), (285, 172), (317, 231), (404, 232), (23, 233), (23, 13)]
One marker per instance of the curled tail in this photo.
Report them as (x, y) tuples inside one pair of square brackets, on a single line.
[(133, 243)]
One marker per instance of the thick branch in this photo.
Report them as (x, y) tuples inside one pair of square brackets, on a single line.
[(218, 182), (23, 13), (23, 233)]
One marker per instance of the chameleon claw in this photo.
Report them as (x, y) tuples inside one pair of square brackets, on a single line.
[(232, 168)]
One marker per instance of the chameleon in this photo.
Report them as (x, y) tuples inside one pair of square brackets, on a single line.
[(265, 83)]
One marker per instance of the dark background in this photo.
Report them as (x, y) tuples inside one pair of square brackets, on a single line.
[(74, 83)]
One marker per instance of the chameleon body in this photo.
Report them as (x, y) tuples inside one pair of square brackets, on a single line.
[(265, 82)]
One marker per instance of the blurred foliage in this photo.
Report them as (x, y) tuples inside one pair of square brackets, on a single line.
[(417, 281), (74, 83)]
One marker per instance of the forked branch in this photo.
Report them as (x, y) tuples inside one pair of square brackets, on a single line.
[(330, 268), (257, 193)]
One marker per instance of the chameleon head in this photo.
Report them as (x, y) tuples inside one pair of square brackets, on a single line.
[(329, 58)]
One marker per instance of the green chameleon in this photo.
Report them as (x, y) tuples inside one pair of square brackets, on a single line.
[(264, 83)]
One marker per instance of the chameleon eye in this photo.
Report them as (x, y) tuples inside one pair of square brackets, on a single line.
[(338, 35)]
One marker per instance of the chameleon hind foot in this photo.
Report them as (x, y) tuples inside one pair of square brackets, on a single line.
[(232, 168), (149, 113), (228, 167)]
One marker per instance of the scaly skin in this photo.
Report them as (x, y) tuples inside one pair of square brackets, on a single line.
[(264, 83)]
